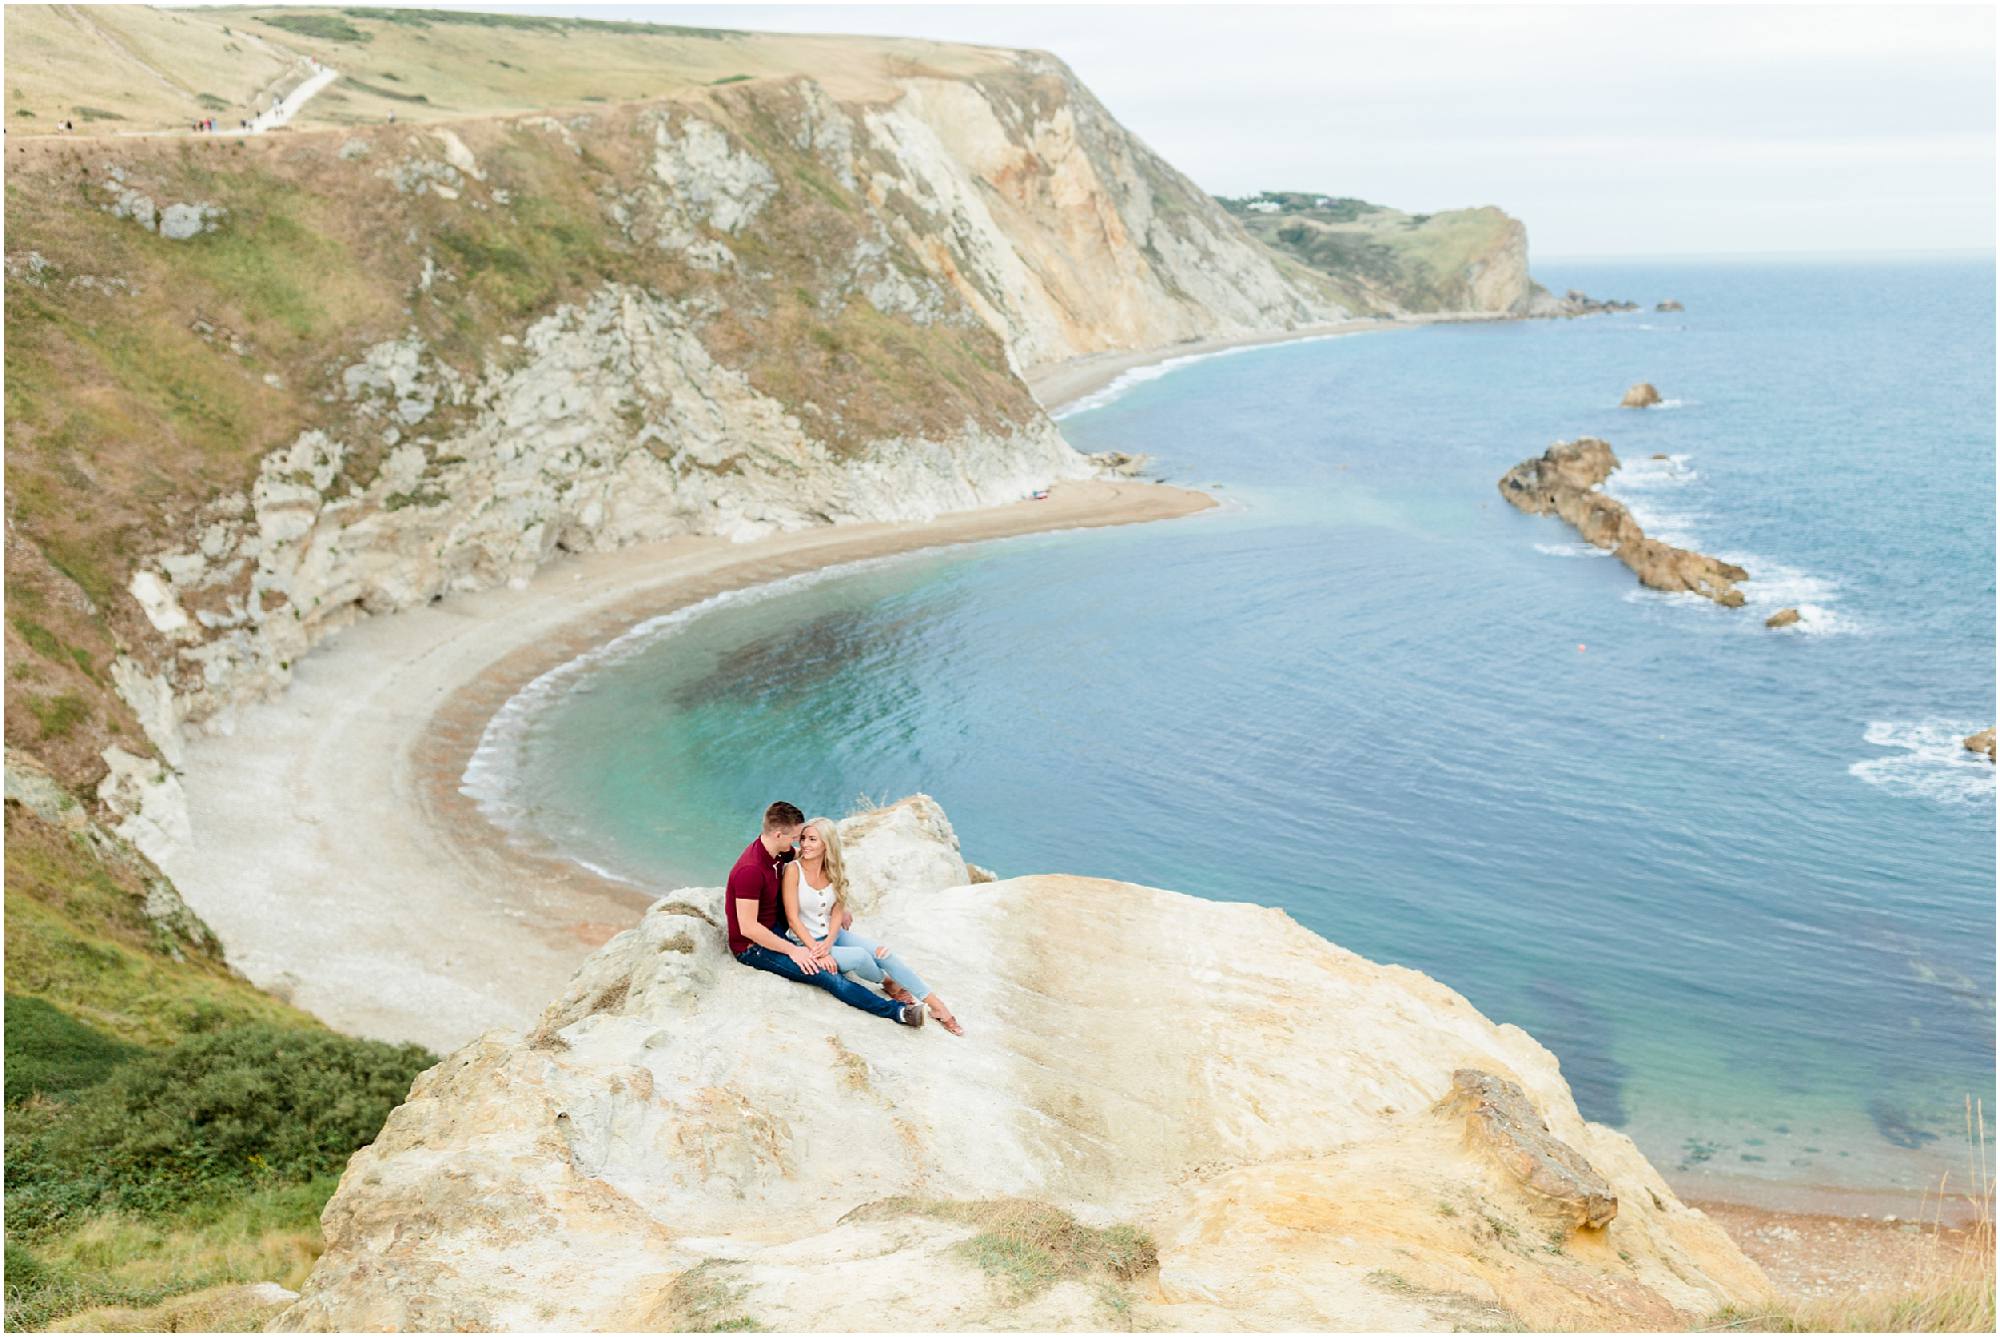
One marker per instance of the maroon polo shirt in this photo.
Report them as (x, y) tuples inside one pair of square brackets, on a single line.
[(755, 877)]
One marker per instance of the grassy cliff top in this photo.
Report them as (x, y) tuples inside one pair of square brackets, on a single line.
[(1378, 257), (119, 69)]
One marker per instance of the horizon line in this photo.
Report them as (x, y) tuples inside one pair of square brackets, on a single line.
[(1939, 253)]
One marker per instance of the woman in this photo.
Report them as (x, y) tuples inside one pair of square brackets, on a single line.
[(815, 894)]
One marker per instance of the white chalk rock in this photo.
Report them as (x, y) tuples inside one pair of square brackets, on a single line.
[(682, 1138)]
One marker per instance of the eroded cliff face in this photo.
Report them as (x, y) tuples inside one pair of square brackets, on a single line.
[(393, 364), (1386, 262), (1278, 1134)]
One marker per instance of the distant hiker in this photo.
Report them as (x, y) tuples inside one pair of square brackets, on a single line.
[(751, 902), (392, 118)]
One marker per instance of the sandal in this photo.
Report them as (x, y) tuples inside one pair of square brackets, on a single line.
[(945, 1019)]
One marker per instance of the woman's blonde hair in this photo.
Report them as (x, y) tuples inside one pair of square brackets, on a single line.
[(836, 870)]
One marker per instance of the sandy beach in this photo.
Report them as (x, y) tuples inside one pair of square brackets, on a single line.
[(332, 850)]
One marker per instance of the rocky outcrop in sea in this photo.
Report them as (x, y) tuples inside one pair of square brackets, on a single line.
[(1982, 743), (1566, 480), (1640, 396), (1200, 1115), (1574, 303)]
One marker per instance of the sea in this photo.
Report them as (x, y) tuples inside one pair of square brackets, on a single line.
[(1740, 881)]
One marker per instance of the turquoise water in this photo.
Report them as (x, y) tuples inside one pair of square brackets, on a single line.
[(1740, 881)]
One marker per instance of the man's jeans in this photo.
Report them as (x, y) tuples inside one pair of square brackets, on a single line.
[(846, 990)]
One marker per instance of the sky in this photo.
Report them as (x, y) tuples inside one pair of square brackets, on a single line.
[(1608, 129)]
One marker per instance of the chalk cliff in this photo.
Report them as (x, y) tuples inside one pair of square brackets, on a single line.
[(394, 363), (1244, 1125)]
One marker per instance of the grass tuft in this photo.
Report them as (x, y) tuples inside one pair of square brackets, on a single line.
[(1026, 1246)]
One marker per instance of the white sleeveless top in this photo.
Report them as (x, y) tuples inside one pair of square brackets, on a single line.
[(815, 905)]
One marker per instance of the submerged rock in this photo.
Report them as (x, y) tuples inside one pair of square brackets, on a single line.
[(1669, 305), (1982, 743), (1565, 480), (1243, 1109), (1640, 396), (1784, 617)]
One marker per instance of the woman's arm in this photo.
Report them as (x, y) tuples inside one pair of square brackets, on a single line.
[(789, 891)]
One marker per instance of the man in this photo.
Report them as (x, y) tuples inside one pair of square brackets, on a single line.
[(752, 903)]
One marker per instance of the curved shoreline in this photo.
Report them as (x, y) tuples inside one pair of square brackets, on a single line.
[(1061, 386), (332, 849)]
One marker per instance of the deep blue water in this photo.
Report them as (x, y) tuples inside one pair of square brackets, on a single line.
[(1740, 881)]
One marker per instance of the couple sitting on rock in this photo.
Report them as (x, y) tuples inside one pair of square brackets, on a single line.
[(792, 874)]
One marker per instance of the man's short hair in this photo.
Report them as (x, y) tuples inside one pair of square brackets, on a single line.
[(781, 815)]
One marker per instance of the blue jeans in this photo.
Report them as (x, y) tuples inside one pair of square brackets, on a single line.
[(846, 990), (852, 952)]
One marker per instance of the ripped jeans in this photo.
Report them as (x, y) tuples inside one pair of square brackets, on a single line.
[(855, 955)]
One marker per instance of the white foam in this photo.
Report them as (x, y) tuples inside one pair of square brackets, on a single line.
[(1137, 376), (1646, 485), (1571, 550), (1673, 404), (1932, 761), (1645, 473), (1773, 585)]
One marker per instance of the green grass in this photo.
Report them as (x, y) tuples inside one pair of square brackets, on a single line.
[(170, 1129), (118, 1259), (326, 27), (703, 1299), (206, 1119), (39, 638), (59, 714), (424, 18), (78, 938), (49, 1052)]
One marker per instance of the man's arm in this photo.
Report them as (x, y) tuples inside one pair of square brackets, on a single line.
[(744, 894)]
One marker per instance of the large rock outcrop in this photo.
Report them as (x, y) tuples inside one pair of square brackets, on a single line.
[(1250, 1114), (1566, 481)]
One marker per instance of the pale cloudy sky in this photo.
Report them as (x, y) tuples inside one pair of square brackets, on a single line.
[(1610, 129)]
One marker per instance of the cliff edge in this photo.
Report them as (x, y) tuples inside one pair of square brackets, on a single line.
[(1168, 1112)]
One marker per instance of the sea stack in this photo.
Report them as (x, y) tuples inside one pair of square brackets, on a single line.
[(1982, 743), (1640, 396), (1784, 617), (1564, 481)]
